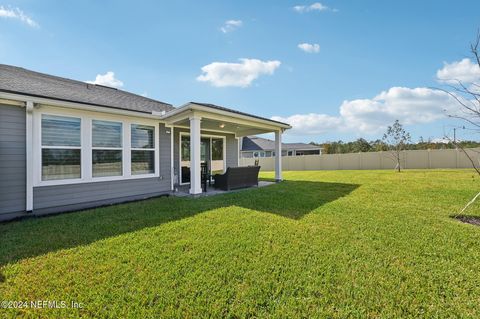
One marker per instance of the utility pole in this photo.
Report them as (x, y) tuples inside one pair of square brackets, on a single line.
[(454, 135)]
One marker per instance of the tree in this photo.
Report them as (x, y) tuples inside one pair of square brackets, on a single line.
[(468, 97), (396, 139), (361, 145), (468, 94)]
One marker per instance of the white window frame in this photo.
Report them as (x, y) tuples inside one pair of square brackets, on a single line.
[(42, 147), (201, 136), (143, 149), (86, 118), (94, 148)]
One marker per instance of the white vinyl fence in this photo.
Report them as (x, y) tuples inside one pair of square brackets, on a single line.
[(371, 160)]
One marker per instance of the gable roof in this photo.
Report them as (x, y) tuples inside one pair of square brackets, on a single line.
[(255, 143), (222, 108), (22, 81)]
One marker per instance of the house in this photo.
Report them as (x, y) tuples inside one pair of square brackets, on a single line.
[(68, 145), (254, 146)]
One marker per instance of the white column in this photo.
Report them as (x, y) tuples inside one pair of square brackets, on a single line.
[(29, 155), (278, 156), (195, 178)]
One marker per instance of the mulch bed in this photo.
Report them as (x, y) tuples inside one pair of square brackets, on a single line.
[(469, 219)]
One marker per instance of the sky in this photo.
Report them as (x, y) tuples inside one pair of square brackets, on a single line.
[(332, 69)]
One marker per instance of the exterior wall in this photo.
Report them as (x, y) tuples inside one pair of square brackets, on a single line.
[(231, 149), (12, 161), (59, 198), (232, 156), (246, 154), (423, 159), (52, 199)]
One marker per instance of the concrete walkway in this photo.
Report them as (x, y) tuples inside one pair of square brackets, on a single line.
[(182, 191)]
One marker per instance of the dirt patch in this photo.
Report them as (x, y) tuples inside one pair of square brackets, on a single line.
[(474, 220)]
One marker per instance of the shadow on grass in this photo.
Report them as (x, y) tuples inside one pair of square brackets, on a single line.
[(34, 237)]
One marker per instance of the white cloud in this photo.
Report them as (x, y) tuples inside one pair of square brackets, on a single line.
[(222, 74), (107, 79), (310, 124), (465, 71), (409, 106), (231, 25), (16, 13), (367, 116), (317, 6), (309, 47)]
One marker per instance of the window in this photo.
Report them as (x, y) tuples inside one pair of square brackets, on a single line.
[(73, 146), (143, 149), (61, 147), (106, 148)]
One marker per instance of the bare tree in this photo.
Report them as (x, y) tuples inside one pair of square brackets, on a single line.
[(468, 97), (396, 139), (467, 94)]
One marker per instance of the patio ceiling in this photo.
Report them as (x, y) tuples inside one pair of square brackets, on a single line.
[(223, 126), (220, 119)]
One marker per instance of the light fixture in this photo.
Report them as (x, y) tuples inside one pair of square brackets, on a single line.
[(222, 125)]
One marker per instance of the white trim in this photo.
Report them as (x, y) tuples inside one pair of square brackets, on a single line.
[(49, 102), (127, 154), (230, 114), (13, 102), (86, 118), (172, 166), (29, 155), (207, 130), (201, 136)]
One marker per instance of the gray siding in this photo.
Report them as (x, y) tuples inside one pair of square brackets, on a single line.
[(231, 156), (51, 199), (232, 151), (12, 160)]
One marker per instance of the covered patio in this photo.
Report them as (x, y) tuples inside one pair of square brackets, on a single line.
[(184, 191), (207, 133)]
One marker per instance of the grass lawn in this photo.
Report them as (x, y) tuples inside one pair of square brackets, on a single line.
[(321, 244)]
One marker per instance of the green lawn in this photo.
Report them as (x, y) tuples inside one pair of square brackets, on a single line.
[(321, 244)]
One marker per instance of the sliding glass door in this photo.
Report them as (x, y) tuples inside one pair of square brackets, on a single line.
[(212, 151), (217, 163)]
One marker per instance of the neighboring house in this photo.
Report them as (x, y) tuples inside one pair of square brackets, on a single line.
[(254, 146), (68, 145)]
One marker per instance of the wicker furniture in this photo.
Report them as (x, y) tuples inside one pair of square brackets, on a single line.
[(237, 177)]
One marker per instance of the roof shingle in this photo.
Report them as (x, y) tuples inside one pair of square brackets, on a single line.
[(22, 81)]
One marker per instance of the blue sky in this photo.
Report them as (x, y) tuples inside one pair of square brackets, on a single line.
[(159, 48)]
